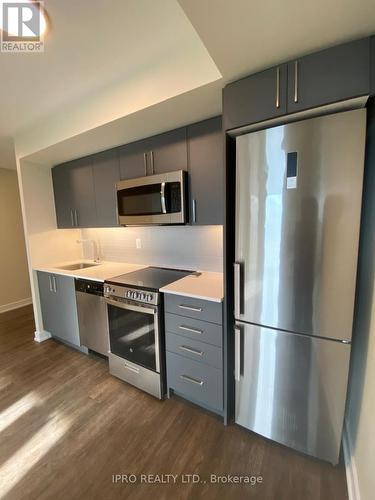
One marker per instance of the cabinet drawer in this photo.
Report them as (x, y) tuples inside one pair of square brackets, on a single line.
[(194, 329), (194, 308), (195, 350), (197, 381)]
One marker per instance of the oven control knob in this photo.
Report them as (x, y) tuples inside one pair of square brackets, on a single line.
[(128, 293), (135, 295), (149, 297)]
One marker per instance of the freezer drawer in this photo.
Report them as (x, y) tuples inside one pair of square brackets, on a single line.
[(292, 388)]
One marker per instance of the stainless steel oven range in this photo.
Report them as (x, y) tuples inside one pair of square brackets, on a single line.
[(136, 329)]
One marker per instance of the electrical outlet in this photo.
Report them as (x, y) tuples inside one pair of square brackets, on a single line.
[(138, 243)]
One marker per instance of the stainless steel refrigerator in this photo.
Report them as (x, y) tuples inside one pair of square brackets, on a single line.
[(298, 207)]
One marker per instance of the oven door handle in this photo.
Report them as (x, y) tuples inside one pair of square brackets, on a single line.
[(130, 307)]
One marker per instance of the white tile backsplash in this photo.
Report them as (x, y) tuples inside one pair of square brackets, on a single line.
[(184, 247)]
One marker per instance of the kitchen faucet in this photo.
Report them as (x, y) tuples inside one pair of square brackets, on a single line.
[(94, 247)]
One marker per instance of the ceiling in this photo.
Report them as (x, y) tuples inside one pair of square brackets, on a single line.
[(155, 65), (107, 58)]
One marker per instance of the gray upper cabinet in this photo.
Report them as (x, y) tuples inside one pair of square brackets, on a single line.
[(168, 152), (328, 76), (83, 192), (64, 196), (133, 160), (59, 308), (106, 173), (161, 153), (256, 98), (73, 185), (206, 172)]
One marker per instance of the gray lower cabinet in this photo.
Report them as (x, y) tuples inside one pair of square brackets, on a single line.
[(189, 307), (106, 172), (194, 351), (206, 172), (59, 308), (328, 76)]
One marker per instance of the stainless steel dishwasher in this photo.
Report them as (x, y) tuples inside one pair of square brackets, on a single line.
[(92, 316)]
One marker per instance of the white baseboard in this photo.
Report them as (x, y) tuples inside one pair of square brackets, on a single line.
[(42, 336), (15, 305), (350, 466)]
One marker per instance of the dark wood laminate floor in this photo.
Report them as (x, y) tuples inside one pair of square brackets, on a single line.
[(66, 426)]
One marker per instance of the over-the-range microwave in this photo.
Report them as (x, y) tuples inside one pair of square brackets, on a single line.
[(152, 200)]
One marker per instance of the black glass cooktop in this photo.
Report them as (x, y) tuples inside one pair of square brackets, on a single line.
[(150, 278)]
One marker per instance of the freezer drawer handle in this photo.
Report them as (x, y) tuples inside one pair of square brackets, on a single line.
[(189, 329), (237, 354), (191, 350), (192, 380), (190, 308)]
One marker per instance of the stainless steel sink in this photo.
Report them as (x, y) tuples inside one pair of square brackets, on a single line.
[(79, 265)]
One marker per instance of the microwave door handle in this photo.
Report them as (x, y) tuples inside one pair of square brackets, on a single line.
[(162, 195)]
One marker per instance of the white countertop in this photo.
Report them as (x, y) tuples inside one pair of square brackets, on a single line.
[(205, 285), (103, 271)]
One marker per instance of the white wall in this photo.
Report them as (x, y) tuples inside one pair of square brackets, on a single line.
[(360, 418), (15, 288), (182, 247), (45, 244)]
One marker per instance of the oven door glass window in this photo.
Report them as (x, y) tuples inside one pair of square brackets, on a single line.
[(132, 335)]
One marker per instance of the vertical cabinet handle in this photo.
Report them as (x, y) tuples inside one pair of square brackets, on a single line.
[(194, 211), (295, 81), (145, 162), (50, 283), (237, 289), (237, 354), (162, 196), (72, 217), (76, 217), (152, 162), (54, 284), (278, 87)]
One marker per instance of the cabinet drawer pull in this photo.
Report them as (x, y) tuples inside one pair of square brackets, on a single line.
[(191, 308), (192, 380), (188, 329), (72, 217), (190, 349)]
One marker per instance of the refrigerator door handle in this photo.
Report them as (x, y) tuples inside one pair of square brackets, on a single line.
[(237, 289), (237, 353)]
